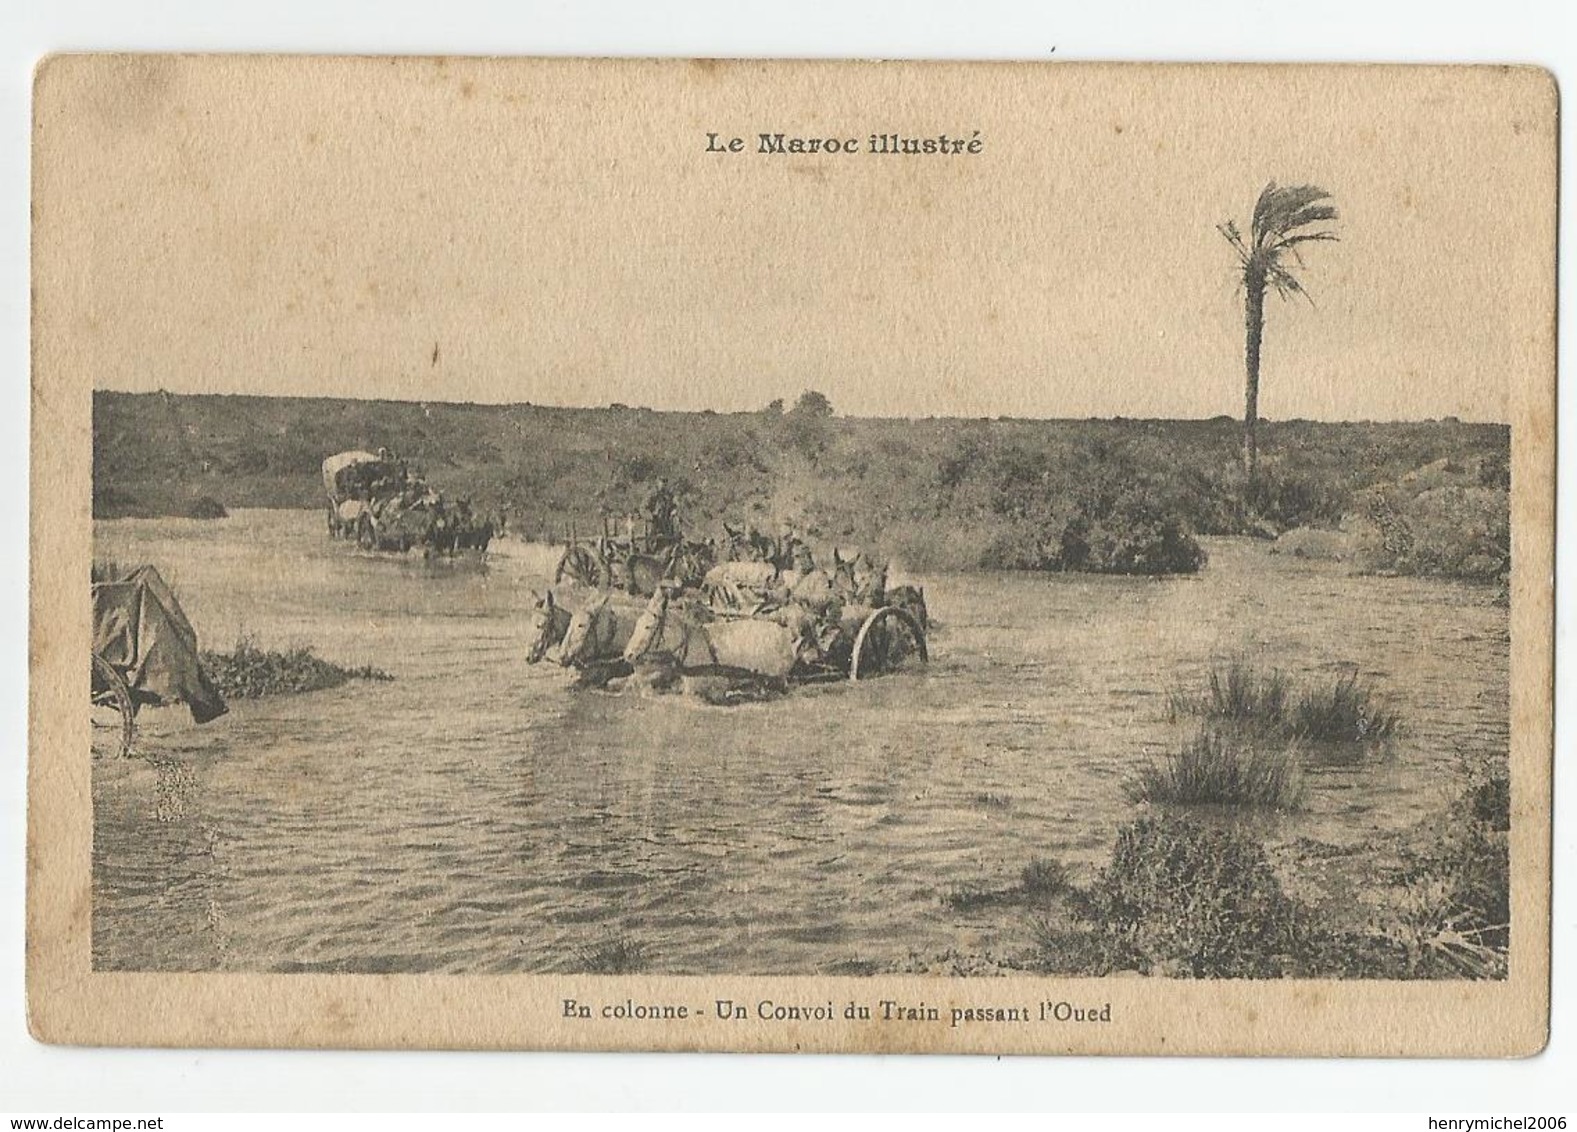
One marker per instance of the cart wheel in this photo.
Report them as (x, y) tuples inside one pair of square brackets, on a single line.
[(888, 639), (579, 564), (111, 693), (366, 537)]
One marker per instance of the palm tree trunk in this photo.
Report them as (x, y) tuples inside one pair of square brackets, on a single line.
[(1254, 331)]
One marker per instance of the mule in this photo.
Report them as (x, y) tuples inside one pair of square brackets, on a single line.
[(546, 625), (860, 580), (670, 633), (742, 585), (597, 633), (910, 599)]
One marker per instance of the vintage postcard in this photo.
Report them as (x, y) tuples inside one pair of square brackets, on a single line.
[(702, 555)]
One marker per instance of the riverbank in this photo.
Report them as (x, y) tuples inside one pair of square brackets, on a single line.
[(1123, 496)]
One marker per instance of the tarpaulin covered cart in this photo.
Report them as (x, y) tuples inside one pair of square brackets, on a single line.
[(145, 652)]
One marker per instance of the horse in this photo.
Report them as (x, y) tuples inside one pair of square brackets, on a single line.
[(473, 534), (910, 599), (860, 580), (746, 544), (597, 633), (742, 585), (760, 647), (545, 627)]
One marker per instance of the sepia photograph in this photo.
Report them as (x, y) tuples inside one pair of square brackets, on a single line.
[(831, 556)]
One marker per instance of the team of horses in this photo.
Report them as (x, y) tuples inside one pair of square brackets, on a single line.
[(757, 620), (428, 521)]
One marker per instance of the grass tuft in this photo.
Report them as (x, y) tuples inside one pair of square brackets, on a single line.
[(1239, 693), (1217, 769), (614, 956), (1346, 711)]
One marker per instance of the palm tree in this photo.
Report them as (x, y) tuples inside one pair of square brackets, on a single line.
[(1283, 218)]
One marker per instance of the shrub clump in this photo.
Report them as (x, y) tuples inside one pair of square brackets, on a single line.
[(250, 672), (1136, 537), (1448, 532), (206, 507), (1184, 899), (1455, 916), (1223, 770)]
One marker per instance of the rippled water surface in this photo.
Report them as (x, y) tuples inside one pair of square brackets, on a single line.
[(478, 815)]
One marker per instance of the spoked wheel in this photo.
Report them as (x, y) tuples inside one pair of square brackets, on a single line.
[(579, 564), (114, 711), (889, 640)]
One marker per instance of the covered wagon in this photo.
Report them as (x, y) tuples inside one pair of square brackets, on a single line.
[(145, 653)]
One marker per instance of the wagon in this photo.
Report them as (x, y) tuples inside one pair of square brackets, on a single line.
[(352, 482), (634, 562), (144, 652), (376, 501), (868, 642), (784, 644)]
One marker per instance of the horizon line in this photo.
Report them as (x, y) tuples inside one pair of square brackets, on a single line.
[(619, 406)]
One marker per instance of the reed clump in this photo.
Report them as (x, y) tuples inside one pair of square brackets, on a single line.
[(1347, 710), (1217, 769)]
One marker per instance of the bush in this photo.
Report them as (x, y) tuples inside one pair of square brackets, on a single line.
[(1455, 917), (1137, 536), (250, 672), (1450, 532), (206, 507), (1182, 898), (1117, 525), (1282, 499), (1212, 769)]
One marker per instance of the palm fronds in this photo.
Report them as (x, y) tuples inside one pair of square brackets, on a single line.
[(1282, 216)]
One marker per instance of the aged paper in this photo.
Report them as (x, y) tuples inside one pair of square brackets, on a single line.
[(494, 475)]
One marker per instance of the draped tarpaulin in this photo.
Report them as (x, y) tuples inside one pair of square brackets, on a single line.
[(139, 628)]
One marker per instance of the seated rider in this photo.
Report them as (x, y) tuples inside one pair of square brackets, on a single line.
[(664, 511)]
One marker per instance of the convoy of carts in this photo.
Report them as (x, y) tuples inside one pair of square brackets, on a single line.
[(646, 599)]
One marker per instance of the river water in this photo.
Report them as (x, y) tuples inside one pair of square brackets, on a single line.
[(478, 815)]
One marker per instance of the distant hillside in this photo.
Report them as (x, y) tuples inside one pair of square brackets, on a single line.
[(938, 493)]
